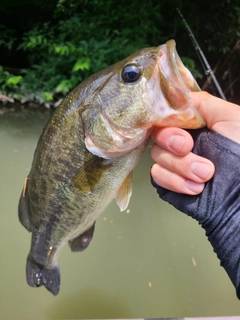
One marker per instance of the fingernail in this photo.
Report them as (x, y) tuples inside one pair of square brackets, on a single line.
[(194, 186), (176, 142), (200, 169)]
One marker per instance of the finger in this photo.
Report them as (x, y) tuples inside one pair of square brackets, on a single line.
[(175, 140), (213, 109), (190, 166), (220, 115), (173, 182)]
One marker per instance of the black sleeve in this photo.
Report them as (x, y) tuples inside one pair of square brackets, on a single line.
[(217, 208)]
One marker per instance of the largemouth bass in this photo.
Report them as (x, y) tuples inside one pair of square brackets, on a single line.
[(90, 146)]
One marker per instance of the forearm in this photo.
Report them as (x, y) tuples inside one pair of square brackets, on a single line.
[(217, 208)]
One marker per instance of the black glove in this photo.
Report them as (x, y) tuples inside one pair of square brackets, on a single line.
[(217, 208)]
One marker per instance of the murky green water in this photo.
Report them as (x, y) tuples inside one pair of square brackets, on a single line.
[(152, 261)]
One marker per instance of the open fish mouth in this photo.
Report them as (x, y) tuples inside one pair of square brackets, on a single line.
[(172, 103), (174, 69)]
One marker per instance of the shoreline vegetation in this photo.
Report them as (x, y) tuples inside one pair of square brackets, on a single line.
[(47, 47)]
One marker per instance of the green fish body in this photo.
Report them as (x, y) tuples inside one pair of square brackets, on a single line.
[(89, 148)]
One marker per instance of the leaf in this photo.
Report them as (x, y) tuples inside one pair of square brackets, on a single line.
[(32, 42), (14, 80), (64, 86), (48, 96), (190, 64), (62, 49), (81, 64), (57, 49)]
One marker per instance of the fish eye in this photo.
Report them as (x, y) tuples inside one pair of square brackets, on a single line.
[(131, 73)]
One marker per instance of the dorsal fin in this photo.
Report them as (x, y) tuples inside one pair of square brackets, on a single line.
[(23, 209)]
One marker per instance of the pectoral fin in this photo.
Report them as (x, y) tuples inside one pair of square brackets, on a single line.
[(82, 241), (90, 174), (124, 193)]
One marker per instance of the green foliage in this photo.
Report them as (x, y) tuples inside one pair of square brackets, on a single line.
[(64, 52), (64, 86), (8, 81), (216, 24), (190, 64), (81, 64), (48, 96), (82, 37), (7, 37)]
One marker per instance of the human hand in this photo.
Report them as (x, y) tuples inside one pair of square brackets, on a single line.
[(176, 168)]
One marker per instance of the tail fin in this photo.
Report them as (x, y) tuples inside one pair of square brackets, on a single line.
[(38, 275)]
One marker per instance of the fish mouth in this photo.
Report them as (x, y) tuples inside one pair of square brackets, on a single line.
[(175, 70), (174, 104)]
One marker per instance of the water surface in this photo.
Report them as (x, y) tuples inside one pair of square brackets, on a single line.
[(149, 261)]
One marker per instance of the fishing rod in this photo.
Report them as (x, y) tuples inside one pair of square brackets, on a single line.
[(207, 69)]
